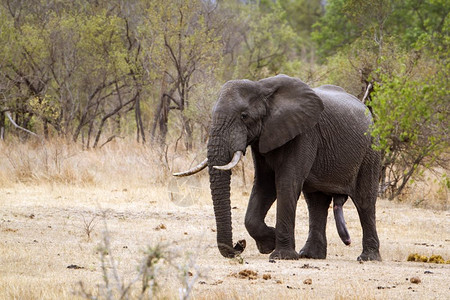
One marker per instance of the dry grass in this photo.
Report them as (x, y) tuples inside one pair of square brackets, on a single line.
[(49, 196), (124, 162), (429, 190)]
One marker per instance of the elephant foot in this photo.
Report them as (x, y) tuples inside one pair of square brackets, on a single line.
[(309, 251), (290, 254), (370, 255), (266, 244)]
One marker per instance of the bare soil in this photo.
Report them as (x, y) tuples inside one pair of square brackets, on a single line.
[(46, 251)]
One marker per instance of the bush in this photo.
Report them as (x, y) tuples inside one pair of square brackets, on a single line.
[(411, 125)]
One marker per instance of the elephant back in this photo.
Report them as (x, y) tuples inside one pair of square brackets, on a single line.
[(342, 105)]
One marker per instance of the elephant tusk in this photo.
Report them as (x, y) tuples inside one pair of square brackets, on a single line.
[(234, 161), (194, 170)]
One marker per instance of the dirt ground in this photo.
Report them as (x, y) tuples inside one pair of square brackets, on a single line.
[(50, 237)]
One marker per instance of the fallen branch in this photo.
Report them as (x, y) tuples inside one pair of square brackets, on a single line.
[(20, 127)]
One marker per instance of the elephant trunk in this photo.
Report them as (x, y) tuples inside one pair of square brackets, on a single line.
[(220, 192)]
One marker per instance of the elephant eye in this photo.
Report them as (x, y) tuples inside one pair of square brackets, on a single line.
[(244, 116)]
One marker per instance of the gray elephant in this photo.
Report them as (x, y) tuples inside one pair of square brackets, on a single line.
[(302, 139)]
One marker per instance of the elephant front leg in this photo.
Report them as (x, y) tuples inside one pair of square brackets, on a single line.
[(261, 199), (316, 245), (287, 198)]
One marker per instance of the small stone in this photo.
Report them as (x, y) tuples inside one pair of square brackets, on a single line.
[(75, 267), (267, 276), (307, 281), (160, 226), (415, 280)]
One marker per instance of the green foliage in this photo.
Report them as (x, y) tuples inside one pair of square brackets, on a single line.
[(408, 21), (302, 15), (411, 123), (181, 34), (409, 108), (46, 108), (267, 42), (413, 20), (334, 30), (185, 50)]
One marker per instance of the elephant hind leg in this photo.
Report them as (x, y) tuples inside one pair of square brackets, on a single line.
[(316, 245), (371, 243), (365, 200)]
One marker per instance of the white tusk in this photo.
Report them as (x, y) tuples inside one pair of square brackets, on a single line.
[(234, 161), (194, 170)]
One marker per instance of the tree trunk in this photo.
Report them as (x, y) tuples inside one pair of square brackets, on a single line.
[(2, 125), (189, 133), (139, 125), (161, 119), (45, 124)]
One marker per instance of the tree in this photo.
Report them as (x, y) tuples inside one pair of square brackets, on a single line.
[(412, 114), (259, 42), (369, 44), (70, 65), (412, 126), (345, 21), (185, 44), (301, 16)]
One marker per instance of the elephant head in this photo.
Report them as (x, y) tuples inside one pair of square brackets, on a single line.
[(265, 114)]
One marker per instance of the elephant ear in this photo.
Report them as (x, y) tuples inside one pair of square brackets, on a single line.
[(293, 107)]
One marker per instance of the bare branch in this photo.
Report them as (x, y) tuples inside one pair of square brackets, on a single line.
[(110, 139), (20, 127), (366, 94)]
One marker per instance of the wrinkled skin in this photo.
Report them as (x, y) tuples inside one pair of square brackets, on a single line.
[(306, 140)]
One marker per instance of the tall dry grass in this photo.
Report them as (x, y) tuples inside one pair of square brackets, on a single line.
[(126, 163), (58, 161), (429, 189)]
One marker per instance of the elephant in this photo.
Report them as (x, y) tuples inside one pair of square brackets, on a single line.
[(311, 140)]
